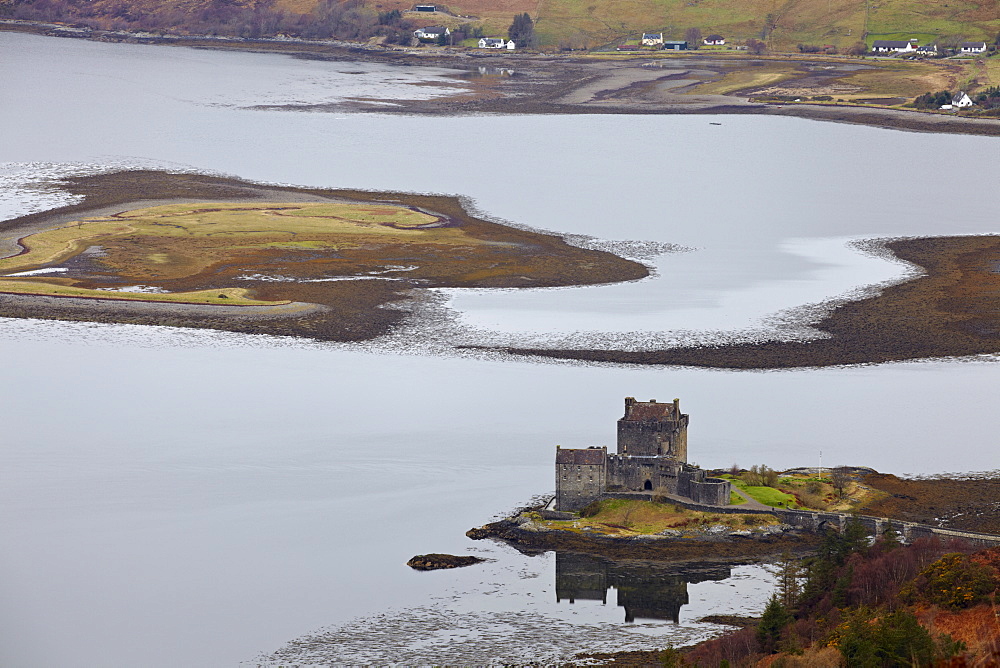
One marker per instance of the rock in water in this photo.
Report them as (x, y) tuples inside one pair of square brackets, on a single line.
[(430, 562)]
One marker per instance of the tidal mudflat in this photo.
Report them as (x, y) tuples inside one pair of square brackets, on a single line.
[(950, 308)]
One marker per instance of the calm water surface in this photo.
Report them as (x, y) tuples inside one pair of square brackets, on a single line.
[(196, 498)]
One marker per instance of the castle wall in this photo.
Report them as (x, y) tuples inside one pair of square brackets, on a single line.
[(679, 446), (652, 438), (710, 491), (637, 474), (581, 477)]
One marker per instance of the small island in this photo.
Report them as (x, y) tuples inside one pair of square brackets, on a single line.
[(647, 502), (199, 251), (436, 561)]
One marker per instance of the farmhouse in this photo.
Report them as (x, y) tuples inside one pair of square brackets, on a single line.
[(893, 46), (495, 43), (715, 40), (961, 100), (431, 32), (927, 50), (651, 458), (652, 38), (972, 47), (670, 45)]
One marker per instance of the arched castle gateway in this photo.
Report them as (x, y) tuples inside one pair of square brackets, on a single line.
[(651, 458)]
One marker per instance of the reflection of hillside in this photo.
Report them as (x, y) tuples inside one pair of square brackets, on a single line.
[(645, 590)]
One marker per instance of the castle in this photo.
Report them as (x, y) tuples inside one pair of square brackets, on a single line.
[(651, 458)]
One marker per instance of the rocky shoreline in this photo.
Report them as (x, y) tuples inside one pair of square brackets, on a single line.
[(717, 543)]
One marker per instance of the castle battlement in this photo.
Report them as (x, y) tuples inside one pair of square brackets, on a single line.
[(651, 457)]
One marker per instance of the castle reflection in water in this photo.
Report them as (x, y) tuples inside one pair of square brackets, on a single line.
[(645, 590)]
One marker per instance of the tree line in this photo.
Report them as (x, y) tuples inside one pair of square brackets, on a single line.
[(862, 599), (336, 19)]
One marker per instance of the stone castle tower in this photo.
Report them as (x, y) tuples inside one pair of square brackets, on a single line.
[(651, 429), (651, 461)]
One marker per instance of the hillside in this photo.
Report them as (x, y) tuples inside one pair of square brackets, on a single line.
[(782, 24), (929, 603)]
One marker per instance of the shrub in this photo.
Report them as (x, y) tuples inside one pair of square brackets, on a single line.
[(812, 500), (893, 639), (954, 581), (760, 476), (933, 100)]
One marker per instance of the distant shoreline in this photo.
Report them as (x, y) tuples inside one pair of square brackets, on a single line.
[(558, 84)]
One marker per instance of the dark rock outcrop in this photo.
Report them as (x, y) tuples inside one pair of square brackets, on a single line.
[(430, 562)]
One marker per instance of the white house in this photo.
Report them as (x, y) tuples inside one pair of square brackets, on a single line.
[(652, 38), (972, 47), (431, 32), (928, 50), (894, 46), (715, 40), (961, 100), (493, 43)]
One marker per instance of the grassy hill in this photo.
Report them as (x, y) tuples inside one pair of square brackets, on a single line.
[(782, 24)]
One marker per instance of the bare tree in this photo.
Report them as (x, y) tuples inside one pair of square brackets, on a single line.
[(693, 37), (858, 49), (839, 477), (760, 476), (627, 516)]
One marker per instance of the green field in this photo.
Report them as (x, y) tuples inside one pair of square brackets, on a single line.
[(783, 25), (768, 496)]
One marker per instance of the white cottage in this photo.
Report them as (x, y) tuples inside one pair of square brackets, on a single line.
[(961, 100), (972, 47), (494, 43), (894, 46), (652, 38), (431, 32)]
